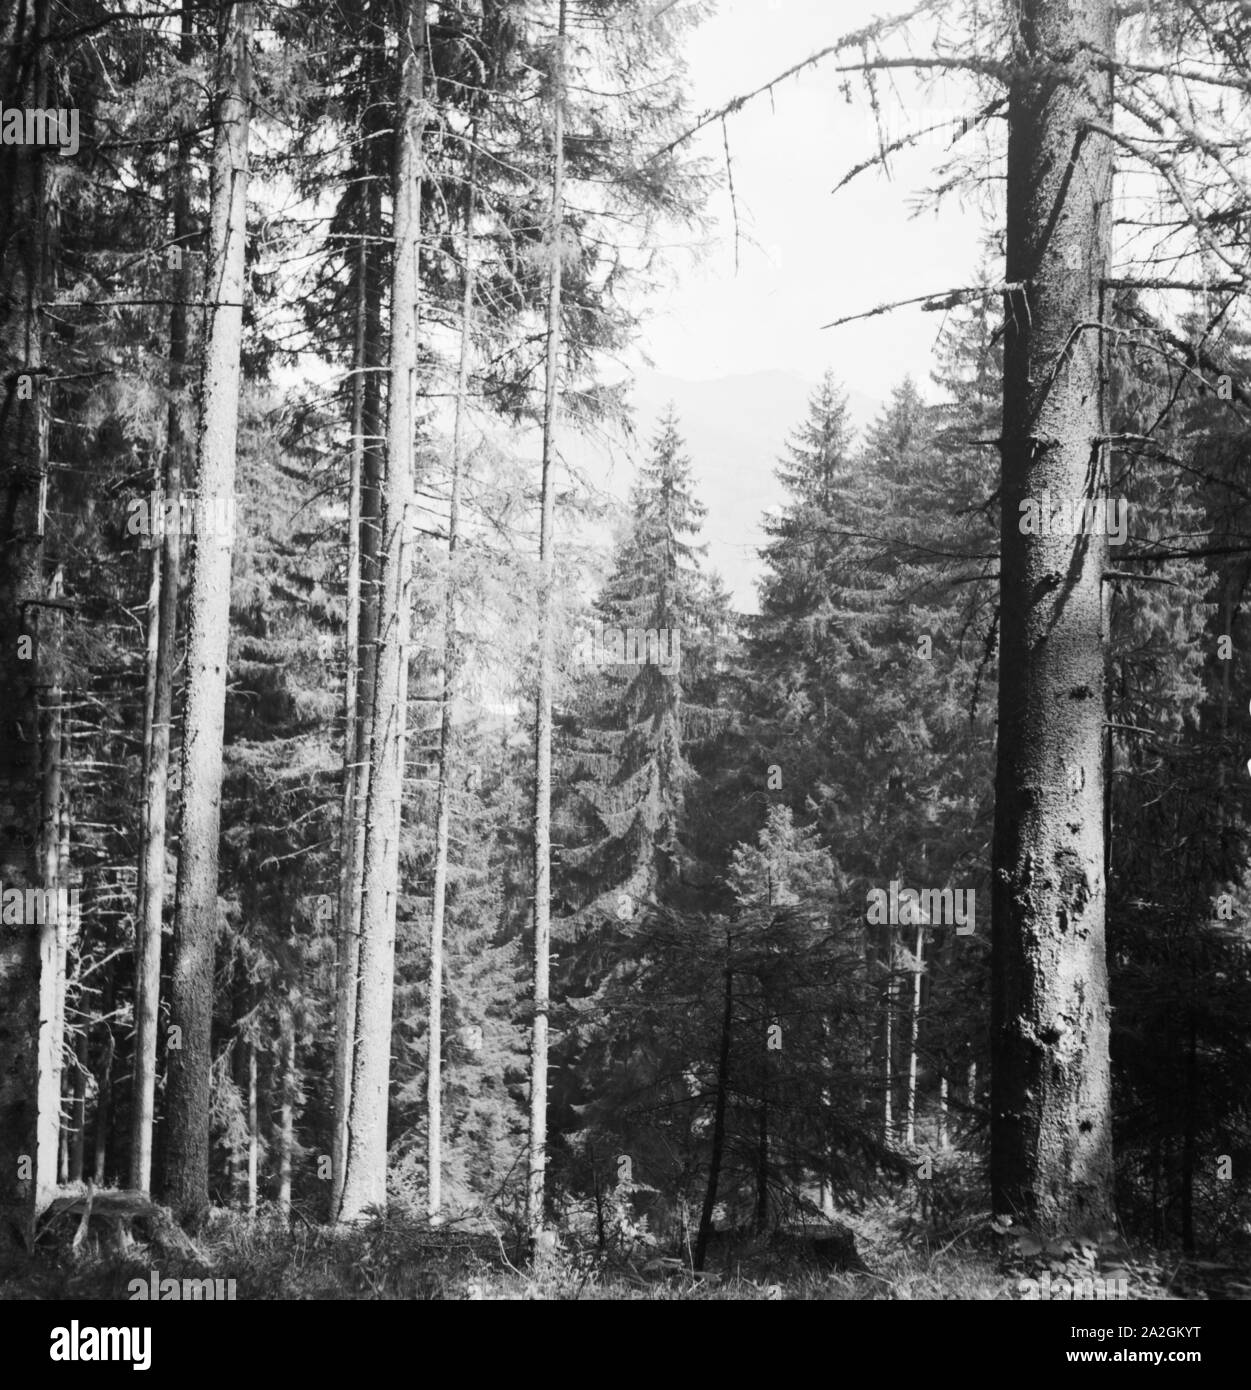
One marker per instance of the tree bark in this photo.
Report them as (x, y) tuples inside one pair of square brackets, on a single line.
[(447, 687), (162, 655), (1190, 1120), (254, 1133), (104, 1081), (825, 1185), (762, 1161), (914, 1024), (73, 926), (718, 1117), (27, 1170), (365, 1170), (286, 1114), (368, 461), (78, 1110), (208, 630), (104, 1110), (888, 1044), (543, 705), (53, 874), (1051, 1156), (348, 936)]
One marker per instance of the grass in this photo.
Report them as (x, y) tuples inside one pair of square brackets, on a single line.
[(399, 1256)]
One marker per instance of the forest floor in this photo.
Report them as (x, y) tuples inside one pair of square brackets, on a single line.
[(402, 1257)]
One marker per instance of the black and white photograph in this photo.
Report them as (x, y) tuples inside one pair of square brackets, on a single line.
[(625, 668)]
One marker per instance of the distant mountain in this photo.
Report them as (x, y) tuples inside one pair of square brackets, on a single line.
[(735, 429)]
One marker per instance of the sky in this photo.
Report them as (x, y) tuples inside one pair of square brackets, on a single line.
[(808, 256)]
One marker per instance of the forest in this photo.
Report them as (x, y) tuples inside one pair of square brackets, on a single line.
[(424, 874)]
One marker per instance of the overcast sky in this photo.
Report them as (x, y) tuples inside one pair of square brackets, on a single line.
[(816, 255)]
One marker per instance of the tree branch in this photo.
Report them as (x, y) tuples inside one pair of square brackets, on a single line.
[(932, 303)]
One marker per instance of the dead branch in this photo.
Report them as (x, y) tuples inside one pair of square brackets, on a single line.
[(933, 303)]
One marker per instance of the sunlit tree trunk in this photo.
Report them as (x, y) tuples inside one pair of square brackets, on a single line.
[(368, 460), (254, 1133), (286, 1113), (208, 631), (162, 653), (1051, 1144), (54, 876), (447, 687), (914, 1024), (354, 776), (365, 1171), (888, 1043), (543, 706), (78, 1109)]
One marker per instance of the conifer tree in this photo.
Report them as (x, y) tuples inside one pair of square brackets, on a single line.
[(1051, 1141), (28, 1102), (195, 928), (623, 738), (364, 1183), (162, 654)]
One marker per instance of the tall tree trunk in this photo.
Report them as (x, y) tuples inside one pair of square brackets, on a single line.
[(1157, 1174), (825, 1185), (73, 926), (718, 1116), (543, 705), (162, 655), (869, 1017), (104, 1081), (62, 1156), (365, 1170), (888, 1044), (286, 1114), (368, 461), (53, 874), (254, 1133), (27, 1168), (914, 1027), (1190, 1114), (447, 686), (348, 936), (762, 1162), (762, 1129), (104, 1110), (208, 631), (78, 1110), (1051, 1148)]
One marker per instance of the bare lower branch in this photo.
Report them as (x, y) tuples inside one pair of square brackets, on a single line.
[(933, 303), (1192, 286), (860, 38)]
